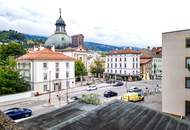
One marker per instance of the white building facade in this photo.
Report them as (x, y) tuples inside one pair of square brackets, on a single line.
[(123, 63), (157, 66), (47, 70), (176, 76)]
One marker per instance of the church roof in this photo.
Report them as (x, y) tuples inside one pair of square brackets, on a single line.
[(45, 54), (60, 21), (59, 40)]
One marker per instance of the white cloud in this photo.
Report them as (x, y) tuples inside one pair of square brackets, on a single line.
[(122, 22)]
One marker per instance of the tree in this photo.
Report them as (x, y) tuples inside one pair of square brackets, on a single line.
[(10, 79), (97, 68), (80, 69), (12, 49)]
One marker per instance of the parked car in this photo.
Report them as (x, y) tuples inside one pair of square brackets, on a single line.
[(110, 93), (135, 89), (133, 97), (75, 98), (17, 113), (118, 84), (91, 88)]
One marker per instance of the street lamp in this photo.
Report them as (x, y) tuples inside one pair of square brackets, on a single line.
[(49, 100)]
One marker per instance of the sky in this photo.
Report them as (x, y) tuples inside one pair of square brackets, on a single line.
[(137, 23)]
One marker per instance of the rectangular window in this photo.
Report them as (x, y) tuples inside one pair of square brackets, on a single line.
[(56, 75), (108, 59), (124, 72), (187, 108), (137, 59), (120, 65), (67, 64), (115, 59), (115, 65), (45, 65), (111, 59), (120, 71), (111, 71), (125, 59), (136, 65), (24, 64), (187, 82), (187, 42), (111, 65), (125, 65), (57, 65), (133, 65), (67, 74), (116, 71), (108, 65), (120, 59), (45, 88), (187, 62), (45, 76)]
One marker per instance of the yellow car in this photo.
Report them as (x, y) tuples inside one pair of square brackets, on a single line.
[(133, 97)]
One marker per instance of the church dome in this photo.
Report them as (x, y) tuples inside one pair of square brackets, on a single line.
[(60, 21), (59, 40)]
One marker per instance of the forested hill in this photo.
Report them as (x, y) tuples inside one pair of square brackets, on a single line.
[(28, 41), (11, 35)]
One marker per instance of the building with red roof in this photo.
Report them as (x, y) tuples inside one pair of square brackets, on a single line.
[(47, 70)]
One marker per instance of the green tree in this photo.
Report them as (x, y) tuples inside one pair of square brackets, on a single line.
[(10, 79), (12, 49), (80, 69), (97, 68)]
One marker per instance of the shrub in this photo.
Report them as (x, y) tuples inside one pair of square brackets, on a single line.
[(91, 99)]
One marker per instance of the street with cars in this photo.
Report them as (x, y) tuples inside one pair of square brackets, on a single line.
[(130, 91)]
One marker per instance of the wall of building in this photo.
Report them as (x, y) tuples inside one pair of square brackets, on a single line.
[(174, 72), (128, 70), (158, 63), (37, 74)]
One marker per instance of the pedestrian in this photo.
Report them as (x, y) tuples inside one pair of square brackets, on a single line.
[(59, 99)]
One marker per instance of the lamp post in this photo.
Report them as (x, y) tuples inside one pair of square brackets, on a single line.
[(49, 100)]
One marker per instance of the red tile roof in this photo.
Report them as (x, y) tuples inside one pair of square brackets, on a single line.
[(128, 51), (45, 54), (144, 61)]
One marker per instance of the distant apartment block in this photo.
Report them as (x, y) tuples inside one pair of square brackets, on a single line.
[(157, 66), (77, 40), (123, 63), (176, 76), (47, 70)]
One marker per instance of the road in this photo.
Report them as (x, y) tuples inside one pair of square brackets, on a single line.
[(40, 105)]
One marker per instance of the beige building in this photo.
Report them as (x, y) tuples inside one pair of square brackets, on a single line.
[(176, 76)]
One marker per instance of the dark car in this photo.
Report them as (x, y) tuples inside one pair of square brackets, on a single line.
[(75, 98), (109, 93), (118, 84), (17, 113)]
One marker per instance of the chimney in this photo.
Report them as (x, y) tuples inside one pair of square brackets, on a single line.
[(41, 48), (53, 48)]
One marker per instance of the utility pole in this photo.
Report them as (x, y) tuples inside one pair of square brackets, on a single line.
[(49, 88), (126, 83)]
